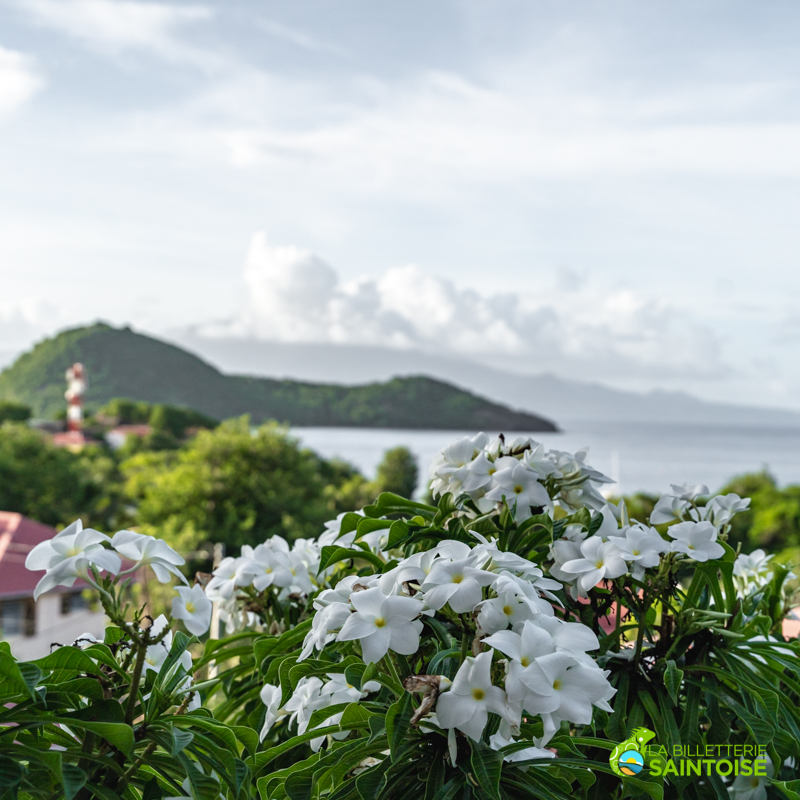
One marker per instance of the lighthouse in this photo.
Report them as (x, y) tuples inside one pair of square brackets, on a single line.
[(73, 438), (76, 389)]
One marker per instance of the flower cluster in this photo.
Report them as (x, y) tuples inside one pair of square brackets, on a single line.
[(521, 473), (273, 567), (79, 553), (542, 661)]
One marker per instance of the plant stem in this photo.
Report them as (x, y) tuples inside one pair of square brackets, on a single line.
[(137, 676)]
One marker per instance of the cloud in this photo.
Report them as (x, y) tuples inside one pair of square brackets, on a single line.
[(115, 25), (19, 80), (25, 320), (295, 296)]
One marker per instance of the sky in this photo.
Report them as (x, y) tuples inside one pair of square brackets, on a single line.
[(608, 191)]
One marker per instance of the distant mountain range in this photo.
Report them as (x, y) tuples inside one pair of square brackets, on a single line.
[(567, 401), (122, 363)]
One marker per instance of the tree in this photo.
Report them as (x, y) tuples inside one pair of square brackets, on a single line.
[(44, 482), (397, 472), (233, 485), (13, 412)]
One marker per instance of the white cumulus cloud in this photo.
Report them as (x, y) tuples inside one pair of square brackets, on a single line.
[(19, 80), (293, 295)]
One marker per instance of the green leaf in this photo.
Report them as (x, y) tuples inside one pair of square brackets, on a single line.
[(487, 766), (180, 740), (331, 554), (451, 789), (11, 773), (390, 503), (398, 718), (371, 783), (790, 789), (651, 788), (673, 677), (68, 659), (435, 780), (242, 775), (74, 779)]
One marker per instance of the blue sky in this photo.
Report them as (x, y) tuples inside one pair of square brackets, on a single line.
[(608, 191)]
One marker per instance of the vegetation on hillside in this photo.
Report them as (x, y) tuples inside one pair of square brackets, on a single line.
[(230, 485), (121, 363)]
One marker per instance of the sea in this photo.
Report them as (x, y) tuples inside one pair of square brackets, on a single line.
[(638, 456)]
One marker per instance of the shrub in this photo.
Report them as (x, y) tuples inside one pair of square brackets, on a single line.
[(521, 638)]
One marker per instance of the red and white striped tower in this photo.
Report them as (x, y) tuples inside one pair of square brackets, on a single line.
[(76, 388)]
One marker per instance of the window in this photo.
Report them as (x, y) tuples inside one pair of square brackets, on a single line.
[(73, 601), (18, 617)]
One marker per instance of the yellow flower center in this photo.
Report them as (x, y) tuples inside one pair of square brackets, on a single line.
[(557, 685), (73, 551), (380, 622), (478, 694), (525, 661), (635, 552), (599, 563), (268, 570), (508, 611), (518, 489), (458, 578), (190, 607)]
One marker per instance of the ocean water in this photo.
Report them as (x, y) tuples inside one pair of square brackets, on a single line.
[(639, 457)]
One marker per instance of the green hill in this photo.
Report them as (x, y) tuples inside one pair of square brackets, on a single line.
[(121, 363)]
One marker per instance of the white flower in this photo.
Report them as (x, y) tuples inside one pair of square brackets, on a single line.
[(752, 787), (562, 551), (230, 573), (519, 486), (527, 591), (382, 623), (266, 565), (698, 540), (502, 611), (668, 509), (271, 698), (457, 583), (327, 621), (144, 550), (466, 705), (562, 688), (721, 509), (303, 702), (193, 607), (68, 556), (600, 561), (448, 469), (641, 547), (157, 653), (497, 742)]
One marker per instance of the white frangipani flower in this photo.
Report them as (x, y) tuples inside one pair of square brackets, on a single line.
[(563, 688), (753, 787), (466, 705), (505, 610), (519, 486), (271, 698), (68, 556), (457, 583), (193, 607), (641, 548), (721, 509), (326, 623), (304, 701), (147, 550), (600, 561), (381, 623), (698, 540), (497, 742)]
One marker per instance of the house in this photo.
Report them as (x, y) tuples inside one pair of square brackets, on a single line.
[(60, 615), (117, 437)]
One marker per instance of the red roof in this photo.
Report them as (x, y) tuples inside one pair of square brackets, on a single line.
[(133, 430), (18, 536)]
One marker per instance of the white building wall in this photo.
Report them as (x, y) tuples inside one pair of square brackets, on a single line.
[(52, 626)]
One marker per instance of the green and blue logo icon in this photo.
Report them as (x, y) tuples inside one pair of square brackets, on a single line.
[(627, 758)]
